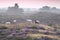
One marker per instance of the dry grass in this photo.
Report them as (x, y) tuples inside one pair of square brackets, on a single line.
[(28, 24), (40, 35), (19, 25), (46, 26), (25, 24)]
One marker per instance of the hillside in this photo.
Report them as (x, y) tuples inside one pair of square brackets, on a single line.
[(55, 19), (43, 17), (29, 31)]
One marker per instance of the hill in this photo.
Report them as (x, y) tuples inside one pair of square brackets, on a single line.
[(30, 31), (43, 17)]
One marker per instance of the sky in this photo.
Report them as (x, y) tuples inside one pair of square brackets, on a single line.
[(30, 3)]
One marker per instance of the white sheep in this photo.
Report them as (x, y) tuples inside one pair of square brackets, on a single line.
[(29, 20), (8, 23), (14, 20)]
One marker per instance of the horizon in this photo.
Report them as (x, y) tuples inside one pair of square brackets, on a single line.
[(27, 7), (30, 3)]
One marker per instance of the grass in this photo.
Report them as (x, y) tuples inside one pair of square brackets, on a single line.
[(19, 25), (25, 24), (40, 35), (28, 24)]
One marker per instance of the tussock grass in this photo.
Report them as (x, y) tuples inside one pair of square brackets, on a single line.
[(40, 35), (29, 24)]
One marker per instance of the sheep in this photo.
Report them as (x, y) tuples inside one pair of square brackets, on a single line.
[(8, 23), (14, 20), (37, 21), (29, 20)]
